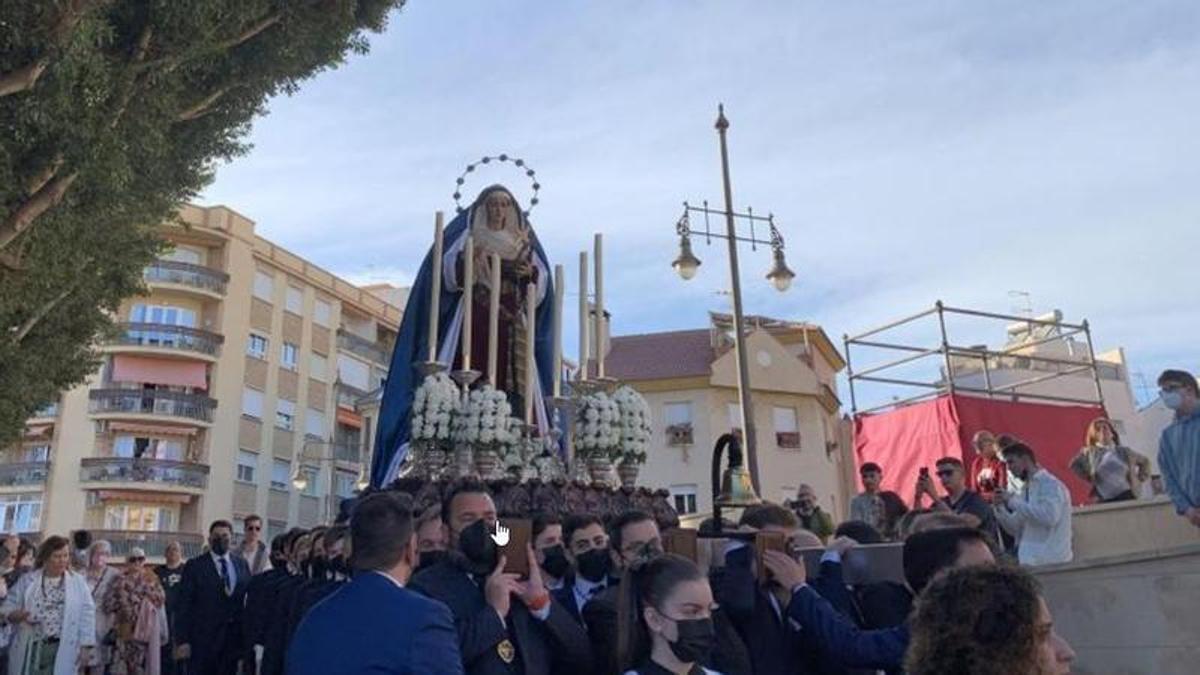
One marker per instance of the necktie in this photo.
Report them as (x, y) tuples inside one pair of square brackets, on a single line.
[(225, 575)]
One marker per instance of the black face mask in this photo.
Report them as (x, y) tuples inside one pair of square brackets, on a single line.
[(338, 565), (476, 544), (218, 545), (556, 563), (430, 558), (695, 641), (319, 567), (594, 564)]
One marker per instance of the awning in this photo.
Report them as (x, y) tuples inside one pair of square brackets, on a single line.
[(349, 418), (143, 370), (152, 429), (35, 430), (152, 497)]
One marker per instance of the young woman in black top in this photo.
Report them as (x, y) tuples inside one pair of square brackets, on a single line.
[(665, 618)]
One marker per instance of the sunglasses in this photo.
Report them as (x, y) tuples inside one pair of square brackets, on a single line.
[(254, 528), (137, 560)]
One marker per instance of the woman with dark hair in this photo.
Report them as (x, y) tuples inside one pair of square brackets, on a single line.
[(24, 562), (665, 618), (985, 620), (1115, 472), (56, 617)]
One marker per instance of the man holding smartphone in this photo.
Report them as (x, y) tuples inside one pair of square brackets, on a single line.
[(959, 499)]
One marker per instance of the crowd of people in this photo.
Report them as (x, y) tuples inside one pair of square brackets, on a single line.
[(400, 589)]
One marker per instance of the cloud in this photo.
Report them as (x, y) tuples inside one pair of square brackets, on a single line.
[(910, 152)]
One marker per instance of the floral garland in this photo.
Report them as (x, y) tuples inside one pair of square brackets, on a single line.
[(598, 422), (484, 419), (635, 426), (433, 408)]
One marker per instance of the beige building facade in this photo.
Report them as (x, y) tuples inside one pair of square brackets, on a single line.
[(229, 390), (689, 378)]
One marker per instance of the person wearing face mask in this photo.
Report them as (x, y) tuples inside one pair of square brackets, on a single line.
[(431, 538), (634, 539), (666, 625), (374, 623), (1179, 445), (272, 629), (329, 572), (505, 624), (211, 597), (551, 552), (587, 552), (260, 598), (1040, 516)]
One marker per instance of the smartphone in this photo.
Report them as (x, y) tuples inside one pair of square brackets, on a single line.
[(683, 542), (767, 541), (924, 472), (515, 552)]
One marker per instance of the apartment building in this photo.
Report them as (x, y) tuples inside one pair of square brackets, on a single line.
[(229, 390), (689, 378)]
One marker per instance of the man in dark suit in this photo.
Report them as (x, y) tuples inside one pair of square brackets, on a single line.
[(587, 551), (260, 595), (211, 596), (505, 625), (634, 538), (374, 624)]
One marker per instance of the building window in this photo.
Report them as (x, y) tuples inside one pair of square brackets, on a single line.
[(21, 513), (343, 484), (787, 433), (34, 453), (140, 517), (138, 447), (256, 346), (353, 372), (285, 414), (252, 403), (281, 474), (183, 255), (164, 314), (287, 356), (316, 366), (294, 300), (275, 528), (321, 312), (264, 286), (312, 488), (684, 498), (247, 463), (678, 419), (314, 423)]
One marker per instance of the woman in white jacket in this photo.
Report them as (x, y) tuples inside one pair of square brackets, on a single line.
[(54, 614)]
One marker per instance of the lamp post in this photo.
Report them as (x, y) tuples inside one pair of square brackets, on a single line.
[(299, 478), (780, 276)]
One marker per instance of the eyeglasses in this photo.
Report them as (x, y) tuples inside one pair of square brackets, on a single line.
[(254, 528)]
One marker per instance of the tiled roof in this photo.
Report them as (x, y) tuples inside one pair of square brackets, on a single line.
[(653, 356)]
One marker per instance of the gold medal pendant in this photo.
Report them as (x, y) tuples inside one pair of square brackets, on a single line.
[(506, 651)]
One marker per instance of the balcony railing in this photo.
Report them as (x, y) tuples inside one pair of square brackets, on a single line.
[(24, 473), (186, 274), (143, 470), (349, 396), (169, 336), (363, 347), (154, 544), (152, 402)]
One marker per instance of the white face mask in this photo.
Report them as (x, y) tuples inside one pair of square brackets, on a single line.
[(1172, 399)]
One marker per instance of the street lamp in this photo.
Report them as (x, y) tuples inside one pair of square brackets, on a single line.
[(780, 276)]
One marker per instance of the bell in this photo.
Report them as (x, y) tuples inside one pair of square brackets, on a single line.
[(736, 489)]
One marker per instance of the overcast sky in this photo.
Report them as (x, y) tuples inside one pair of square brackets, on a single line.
[(910, 152)]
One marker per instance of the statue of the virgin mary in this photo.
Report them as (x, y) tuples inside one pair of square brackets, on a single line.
[(498, 226)]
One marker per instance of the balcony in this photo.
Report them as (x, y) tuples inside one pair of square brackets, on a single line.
[(167, 340), (151, 404), (347, 452), (153, 543), (161, 473), (22, 474), (187, 276), (372, 351), (46, 412), (348, 396)]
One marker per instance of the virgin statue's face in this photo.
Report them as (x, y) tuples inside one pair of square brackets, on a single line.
[(500, 212)]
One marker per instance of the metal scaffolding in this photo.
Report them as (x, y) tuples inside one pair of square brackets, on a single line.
[(1056, 330)]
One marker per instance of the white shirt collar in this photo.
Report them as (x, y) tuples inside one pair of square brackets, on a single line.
[(389, 577), (585, 588)]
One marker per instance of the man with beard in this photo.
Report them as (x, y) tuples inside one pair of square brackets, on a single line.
[(1040, 516), (211, 597), (551, 553), (505, 625), (587, 552), (634, 539)]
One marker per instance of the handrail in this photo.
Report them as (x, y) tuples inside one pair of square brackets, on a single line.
[(188, 274), (139, 334)]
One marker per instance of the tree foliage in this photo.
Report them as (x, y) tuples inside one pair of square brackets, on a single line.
[(112, 113)]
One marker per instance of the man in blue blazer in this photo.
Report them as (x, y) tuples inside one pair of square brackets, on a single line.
[(374, 624)]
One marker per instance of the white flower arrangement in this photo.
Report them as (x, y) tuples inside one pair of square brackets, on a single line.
[(484, 419), (433, 408), (598, 421), (634, 424)]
